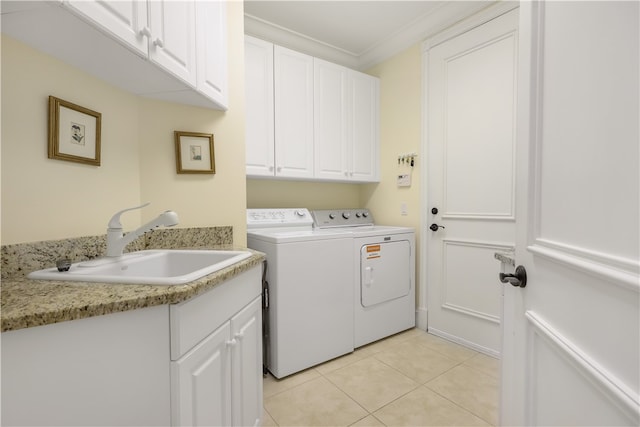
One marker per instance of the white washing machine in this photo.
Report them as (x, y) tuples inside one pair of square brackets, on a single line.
[(384, 279), (310, 275)]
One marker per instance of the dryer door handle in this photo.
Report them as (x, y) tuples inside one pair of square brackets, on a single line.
[(368, 276)]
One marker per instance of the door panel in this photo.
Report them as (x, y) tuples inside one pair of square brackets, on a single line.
[(471, 146), (460, 284), (572, 337), (479, 141)]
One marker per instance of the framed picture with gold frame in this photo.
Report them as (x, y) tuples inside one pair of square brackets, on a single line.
[(74, 132), (194, 152)]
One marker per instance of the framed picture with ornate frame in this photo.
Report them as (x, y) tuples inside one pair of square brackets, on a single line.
[(74, 132), (194, 153)]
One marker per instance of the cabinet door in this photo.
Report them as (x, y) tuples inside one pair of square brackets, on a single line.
[(126, 20), (364, 121), (293, 113), (246, 365), (330, 120), (201, 383), (211, 48), (173, 38), (260, 154)]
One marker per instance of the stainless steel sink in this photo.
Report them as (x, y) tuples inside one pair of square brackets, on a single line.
[(153, 267)]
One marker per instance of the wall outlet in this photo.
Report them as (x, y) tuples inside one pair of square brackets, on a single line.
[(403, 209)]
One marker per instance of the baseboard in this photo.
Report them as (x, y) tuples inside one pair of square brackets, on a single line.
[(421, 318), (463, 342)]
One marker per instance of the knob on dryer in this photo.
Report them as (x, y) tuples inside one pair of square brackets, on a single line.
[(346, 215)]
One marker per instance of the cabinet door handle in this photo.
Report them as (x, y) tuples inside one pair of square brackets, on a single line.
[(232, 343), (145, 32), (238, 336), (158, 42)]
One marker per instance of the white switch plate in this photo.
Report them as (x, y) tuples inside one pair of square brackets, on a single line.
[(404, 180), (403, 209)]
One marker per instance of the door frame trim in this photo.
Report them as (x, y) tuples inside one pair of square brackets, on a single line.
[(462, 27)]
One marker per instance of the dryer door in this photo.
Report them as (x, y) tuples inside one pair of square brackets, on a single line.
[(385, 271)]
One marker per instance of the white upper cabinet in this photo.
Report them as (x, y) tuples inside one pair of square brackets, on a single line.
[(124, 20), (260, 148), (172, 37), (331, 151), (211, 45), (346, 124), (364, 134), (183, 43), (307, 118), (293, 74)]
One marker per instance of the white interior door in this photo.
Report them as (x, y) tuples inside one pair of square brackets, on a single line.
[(471, 147), (571, 351)]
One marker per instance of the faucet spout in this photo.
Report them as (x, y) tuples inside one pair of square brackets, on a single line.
[(117, 240)]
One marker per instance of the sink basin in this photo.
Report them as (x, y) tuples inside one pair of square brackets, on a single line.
[(151, 267)]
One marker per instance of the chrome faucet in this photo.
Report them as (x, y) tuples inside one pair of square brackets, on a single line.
[(117, 240)]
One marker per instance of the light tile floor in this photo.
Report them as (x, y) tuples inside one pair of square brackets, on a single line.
[(409, 379)]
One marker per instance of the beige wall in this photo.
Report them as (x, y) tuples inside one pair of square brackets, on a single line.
[(296, 194), (400, 133), (46, 199), (199, 200)]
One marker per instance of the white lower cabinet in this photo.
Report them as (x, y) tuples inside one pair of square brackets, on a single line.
[(219, 381), (216, 355), (201, 383), (198, 362), (246, 366)]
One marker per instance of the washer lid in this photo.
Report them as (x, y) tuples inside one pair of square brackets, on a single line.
[(290, 235)]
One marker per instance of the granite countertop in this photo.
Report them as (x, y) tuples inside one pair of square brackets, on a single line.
[(28, 303)]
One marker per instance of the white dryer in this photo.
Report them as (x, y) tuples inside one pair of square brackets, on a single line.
[(310, 275), (384, 279)]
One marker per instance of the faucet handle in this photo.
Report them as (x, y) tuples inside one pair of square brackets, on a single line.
[(114, 222)]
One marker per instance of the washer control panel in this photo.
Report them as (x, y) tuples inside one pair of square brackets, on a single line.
[(283, 217), (326, 218)]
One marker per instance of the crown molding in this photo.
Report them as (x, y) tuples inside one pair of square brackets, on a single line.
[(273, 33), (421, 29)]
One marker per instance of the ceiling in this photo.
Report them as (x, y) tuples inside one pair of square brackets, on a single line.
[(355, 33)]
